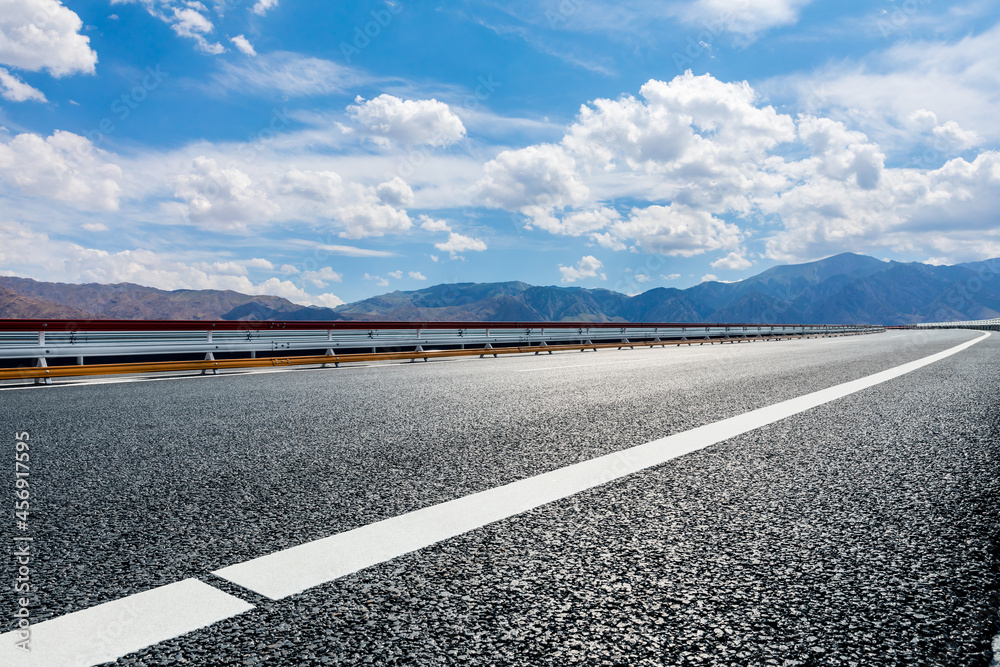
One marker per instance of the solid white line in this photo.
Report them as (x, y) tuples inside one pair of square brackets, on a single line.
[(293, 570), (108, 631)]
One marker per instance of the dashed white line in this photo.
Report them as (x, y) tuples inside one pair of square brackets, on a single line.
[(108, 631)]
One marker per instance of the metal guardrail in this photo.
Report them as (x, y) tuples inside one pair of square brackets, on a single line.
[(42, 340), (981, 325)]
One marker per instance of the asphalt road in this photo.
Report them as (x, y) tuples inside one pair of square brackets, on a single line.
[(862, 532)]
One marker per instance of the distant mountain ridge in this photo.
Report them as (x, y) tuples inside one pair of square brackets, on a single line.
[(23, 298), (846, 288)]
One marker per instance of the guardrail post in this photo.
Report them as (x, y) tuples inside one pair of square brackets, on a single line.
[(42, 363), (209, 356), (330, 353), (489, 346)]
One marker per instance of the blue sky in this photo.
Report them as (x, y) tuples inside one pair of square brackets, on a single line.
[(330, 151)]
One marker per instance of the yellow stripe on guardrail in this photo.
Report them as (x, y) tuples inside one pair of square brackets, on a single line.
[(28, 373)]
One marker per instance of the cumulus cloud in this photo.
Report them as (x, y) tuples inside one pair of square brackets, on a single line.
[(395, 275), (701, 162), (676, 230), (536, 178), (577, 223), (694, 140), (44, 34), (262, 6), (227, 196), (416, 275), (323, 276), (408, 122), (587, 267), (375, 211), (734, 261), (955, 137), (15, 90), (326, 300), (432, 225), (243, 44), (394, 192), (458, 243), (65, 167)]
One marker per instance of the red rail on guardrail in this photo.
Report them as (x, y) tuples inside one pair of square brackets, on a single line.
[(227, 325)]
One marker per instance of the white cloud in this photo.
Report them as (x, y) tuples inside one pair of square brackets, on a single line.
[(187, 18), (327, 300), (44, 34), (351, 251), (958, 81), (533, 179), (320, 186), (734, 261), (379, 280), (578, 223), (395, 275), (65, 167), (416, 275), (744, 17), (676, 230), (243, 44), (709, 278), (374, 211), (432, 225), (408, 122), (94, 227), (457, 243), (260, 263), (15, 90), (694, 140), (227, 196), (262, 6), (955, 137), (366, 219), (323, 276), (672, 276), (287, 73), (587, 267), (642, 278), (395, 192)]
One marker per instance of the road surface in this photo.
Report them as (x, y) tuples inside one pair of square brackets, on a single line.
[(862, 531)]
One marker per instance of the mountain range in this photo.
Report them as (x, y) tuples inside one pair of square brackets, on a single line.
[(845, 289)]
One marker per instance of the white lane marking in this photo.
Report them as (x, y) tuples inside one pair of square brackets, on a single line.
[(108, 631), (605, 363), (293, 570)]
